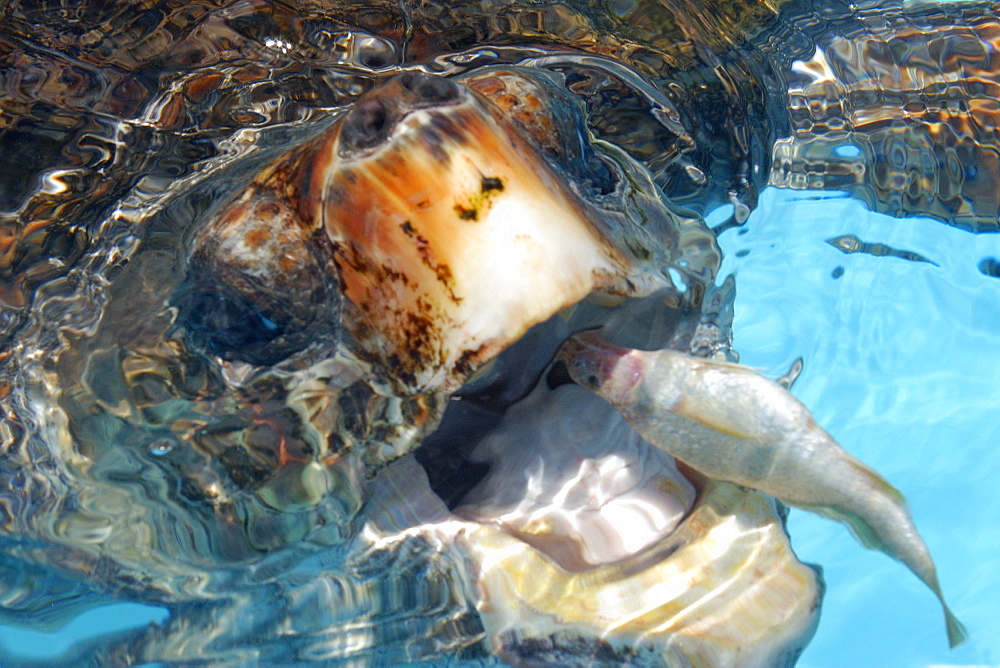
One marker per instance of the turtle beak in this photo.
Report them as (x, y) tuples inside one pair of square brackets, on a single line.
[(451, 234), (424, 233)]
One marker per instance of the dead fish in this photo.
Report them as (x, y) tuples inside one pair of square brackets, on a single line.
[(730, 423)]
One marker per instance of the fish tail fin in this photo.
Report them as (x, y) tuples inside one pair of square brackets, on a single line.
[(956, 630), (870, 536)]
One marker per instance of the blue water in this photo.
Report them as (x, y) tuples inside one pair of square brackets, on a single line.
[(902, 362), (902, 366), (90, 624)]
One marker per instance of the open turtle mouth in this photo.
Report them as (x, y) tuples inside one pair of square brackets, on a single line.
[(522, 448), (361, 352), (582, 540), (472, 227)]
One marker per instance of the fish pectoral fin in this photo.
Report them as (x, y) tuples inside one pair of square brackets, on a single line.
[(864, 488), (862, 531), (711, 419)]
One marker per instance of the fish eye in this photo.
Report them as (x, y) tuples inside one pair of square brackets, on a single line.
[(429, 88), (366, 125)]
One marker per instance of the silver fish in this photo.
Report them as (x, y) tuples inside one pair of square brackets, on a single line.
[(730, 423)]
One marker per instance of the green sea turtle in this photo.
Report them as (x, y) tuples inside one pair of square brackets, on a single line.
[(282, 286)]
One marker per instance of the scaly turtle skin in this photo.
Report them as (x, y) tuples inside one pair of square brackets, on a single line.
[(215, 365)]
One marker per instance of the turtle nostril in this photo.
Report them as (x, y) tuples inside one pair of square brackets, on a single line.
[(371, 116), (429, 87), (366, 125)]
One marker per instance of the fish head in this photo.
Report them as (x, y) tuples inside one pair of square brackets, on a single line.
[(601, 367)]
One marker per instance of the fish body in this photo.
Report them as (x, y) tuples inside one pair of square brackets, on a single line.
[(730, 423)]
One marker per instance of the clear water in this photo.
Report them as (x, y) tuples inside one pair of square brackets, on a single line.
[(902, 366), (901, 355), (902, 361)]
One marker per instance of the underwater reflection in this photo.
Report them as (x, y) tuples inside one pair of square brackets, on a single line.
[(282, 286)]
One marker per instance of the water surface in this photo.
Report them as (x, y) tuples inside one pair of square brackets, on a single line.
[(902, 366), (897, 320)]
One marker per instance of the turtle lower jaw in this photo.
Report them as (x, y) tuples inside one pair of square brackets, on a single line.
[(584, 541)]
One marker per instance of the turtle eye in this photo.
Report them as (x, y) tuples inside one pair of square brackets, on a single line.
[(428, 88), (366, 125), (256, 288), (226, 324), (601, 178)]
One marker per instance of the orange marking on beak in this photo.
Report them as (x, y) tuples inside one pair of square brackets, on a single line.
[(453, 239)]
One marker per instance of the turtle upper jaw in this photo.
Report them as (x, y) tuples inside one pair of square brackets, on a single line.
[(426, 231), (452, 237)]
